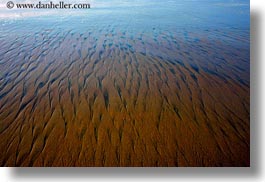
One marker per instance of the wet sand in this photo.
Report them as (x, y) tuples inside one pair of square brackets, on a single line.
[(79, 99)]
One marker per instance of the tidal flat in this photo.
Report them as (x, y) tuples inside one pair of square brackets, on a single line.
[(142, 83)]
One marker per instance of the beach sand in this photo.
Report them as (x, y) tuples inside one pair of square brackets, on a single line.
[(112, 99)]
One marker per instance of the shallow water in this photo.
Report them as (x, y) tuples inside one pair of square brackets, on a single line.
[(127, 83)]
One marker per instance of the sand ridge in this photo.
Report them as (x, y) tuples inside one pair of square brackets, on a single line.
[(160, 99)]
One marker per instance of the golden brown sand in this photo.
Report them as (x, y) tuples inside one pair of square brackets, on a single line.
[(77, 101)]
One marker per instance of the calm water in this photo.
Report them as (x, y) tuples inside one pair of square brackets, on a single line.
[(215, 30), (143, 15)]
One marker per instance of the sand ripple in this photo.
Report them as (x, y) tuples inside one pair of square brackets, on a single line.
[(79, 99)]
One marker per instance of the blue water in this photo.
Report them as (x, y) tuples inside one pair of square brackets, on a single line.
[(144, 14), (214, 32)]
